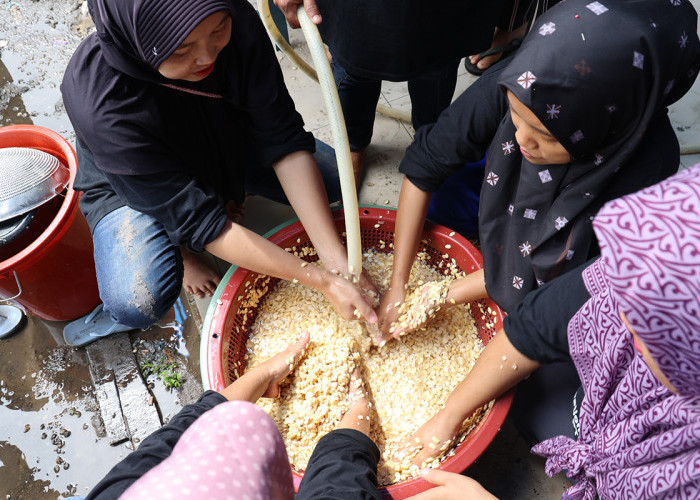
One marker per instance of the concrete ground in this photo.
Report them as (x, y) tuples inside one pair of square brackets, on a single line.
[(52, 441)]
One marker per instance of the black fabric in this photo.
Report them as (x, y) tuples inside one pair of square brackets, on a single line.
[(342, 466), (400, 39), (203, 135), (537, 328), (152, 450), (544, 403), (137, 36), (461, 134), (195, 213), (596, 75)]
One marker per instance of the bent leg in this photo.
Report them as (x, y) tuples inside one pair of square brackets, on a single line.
[(431, 93), (139, 270)]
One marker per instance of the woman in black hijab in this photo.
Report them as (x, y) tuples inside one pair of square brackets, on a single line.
[(577, 117), (180, 109)]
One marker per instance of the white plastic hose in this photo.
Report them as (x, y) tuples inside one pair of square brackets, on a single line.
[(274, 32), (340, 142)]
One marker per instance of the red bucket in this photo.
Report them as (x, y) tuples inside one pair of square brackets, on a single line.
[(53, 277)]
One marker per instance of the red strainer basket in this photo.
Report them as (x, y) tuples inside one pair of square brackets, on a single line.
[(225, 331)]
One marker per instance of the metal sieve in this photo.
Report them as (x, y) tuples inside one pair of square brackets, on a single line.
[(30, 178)]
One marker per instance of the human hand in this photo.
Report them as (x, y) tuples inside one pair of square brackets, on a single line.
[(388, 311), (432, 439), (264, 379), (420, 306), (347, 298), (451, 486), (289, 7), (339, 263)]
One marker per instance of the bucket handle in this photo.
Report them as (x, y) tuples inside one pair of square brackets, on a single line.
[(19, 287)]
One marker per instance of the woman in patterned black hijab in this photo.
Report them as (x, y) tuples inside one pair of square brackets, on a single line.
[(595, 74), (577, 117)]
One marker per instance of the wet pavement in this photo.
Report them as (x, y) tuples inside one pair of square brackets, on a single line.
[(52, 439)]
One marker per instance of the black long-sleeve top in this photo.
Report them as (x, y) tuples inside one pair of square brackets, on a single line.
[(178, 150)]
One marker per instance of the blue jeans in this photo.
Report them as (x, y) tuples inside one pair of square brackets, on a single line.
[(140, 271), (430, 94), (456, 203)]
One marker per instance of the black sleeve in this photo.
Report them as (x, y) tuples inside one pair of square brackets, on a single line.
[(190, 210), (153, 450), (537, 328), (275, 128), (461, 135), (343, 465)]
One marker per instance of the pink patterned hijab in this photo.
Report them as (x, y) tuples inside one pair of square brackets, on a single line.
[(234, 451), (638, 439)]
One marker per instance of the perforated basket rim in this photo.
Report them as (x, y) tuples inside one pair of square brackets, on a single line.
[(211, 362)]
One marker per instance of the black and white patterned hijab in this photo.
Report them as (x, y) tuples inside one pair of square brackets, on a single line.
[(595, 74)]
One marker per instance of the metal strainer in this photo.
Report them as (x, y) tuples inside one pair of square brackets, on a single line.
[(30, 178)]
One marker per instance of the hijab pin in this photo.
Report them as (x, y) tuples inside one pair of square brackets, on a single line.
[(577, 16)]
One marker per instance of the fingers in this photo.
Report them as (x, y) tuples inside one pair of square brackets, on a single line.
[(312, 11), (297, 348), (365, 309), (366, 283), (289, 7), (435, 476)]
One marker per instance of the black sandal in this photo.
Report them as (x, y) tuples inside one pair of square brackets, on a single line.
[(505, 50)]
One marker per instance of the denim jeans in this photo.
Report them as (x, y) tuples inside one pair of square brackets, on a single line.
[(430, 94), (140, 271), (456, 203)]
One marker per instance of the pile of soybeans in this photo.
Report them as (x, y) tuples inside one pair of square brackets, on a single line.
[(407, 380)]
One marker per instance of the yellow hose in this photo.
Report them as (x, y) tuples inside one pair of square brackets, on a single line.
[(271, 27), (340, 142)]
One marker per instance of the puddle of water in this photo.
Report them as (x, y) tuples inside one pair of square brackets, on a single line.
[(49, 433)]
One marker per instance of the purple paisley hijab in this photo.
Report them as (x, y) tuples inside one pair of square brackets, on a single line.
[(638, 439)]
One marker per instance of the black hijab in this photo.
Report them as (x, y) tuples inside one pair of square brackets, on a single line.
[(595, 74)]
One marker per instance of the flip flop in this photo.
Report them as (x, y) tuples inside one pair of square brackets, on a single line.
[(11, 320), (91, 327), (506, 50)]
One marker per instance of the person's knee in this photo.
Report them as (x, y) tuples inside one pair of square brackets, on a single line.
[(142, 303), (140, 309)]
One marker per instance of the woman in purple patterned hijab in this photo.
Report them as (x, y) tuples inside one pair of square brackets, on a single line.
[(630, 321), (639, 437)]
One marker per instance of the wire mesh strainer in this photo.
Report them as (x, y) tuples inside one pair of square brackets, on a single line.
[(30, 178)]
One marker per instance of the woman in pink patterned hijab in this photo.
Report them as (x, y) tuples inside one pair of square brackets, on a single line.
[(640, 420)]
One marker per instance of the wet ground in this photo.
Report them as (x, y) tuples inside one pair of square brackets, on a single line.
[(52, 438)]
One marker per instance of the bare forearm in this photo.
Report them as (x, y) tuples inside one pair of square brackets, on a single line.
[(303, 185), (244, 248), (499, 367), (471, 287), (250, 387), (410, 219)]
